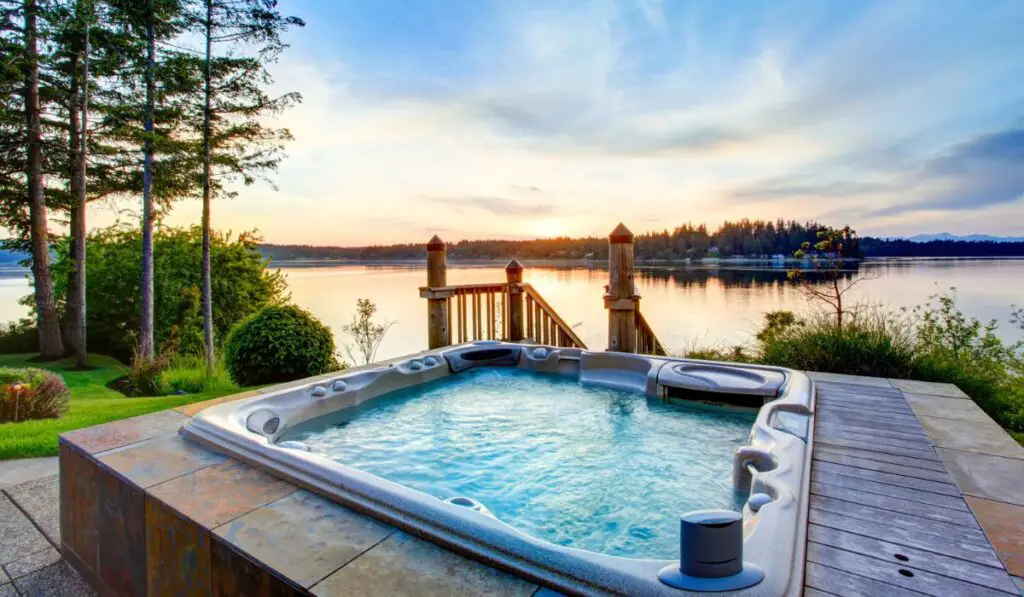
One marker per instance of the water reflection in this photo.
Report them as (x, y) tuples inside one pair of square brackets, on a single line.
[(719, 305)]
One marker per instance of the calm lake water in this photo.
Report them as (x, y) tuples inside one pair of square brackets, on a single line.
[(713, 305)]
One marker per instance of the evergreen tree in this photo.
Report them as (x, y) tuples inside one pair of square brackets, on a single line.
[(26, 157), (241, 38)]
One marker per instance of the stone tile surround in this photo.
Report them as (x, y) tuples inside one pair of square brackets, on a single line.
[(178, 519)]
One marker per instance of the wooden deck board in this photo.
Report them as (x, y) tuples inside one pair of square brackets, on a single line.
[(893, 504), (915, 558), (886, 517), (874, 464), (898, 458)]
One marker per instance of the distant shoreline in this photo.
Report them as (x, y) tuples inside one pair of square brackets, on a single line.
[(599, 263)]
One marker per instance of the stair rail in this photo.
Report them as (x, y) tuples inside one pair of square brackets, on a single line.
[(646, 340), (544, 325)]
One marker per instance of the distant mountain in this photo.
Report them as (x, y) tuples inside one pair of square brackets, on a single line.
[(924, 238)]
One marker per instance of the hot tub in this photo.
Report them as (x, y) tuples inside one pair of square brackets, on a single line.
[(571, 468)]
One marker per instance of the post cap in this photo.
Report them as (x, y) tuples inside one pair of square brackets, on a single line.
[(621, 234), (435, 244), (514, 266)]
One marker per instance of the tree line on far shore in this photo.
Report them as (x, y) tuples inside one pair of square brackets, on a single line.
[(142, 101), (745, 238)]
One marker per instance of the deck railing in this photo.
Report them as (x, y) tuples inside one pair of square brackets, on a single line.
[(646, 341), (543, 324), (515, 311), (510, 310)]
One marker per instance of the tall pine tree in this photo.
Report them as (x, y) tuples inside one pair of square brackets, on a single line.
[(241, 38)]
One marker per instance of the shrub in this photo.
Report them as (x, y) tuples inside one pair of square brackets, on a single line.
[(18, 336), (366, 333), (31, 394), (956, 349), (143, 377), (279, 343), (875, 343), (242, 284), (187, 373)]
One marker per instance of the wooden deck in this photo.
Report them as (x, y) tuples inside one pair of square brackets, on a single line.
[(886, 516)]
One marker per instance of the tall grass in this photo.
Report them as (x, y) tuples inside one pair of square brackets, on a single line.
[(932, 342), (187, 373), (876, 343)]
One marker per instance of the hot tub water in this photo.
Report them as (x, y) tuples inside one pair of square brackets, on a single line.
[(586, 467)]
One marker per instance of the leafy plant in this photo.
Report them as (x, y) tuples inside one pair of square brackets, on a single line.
[(31, 394), (366, 333), (18, 336), (279, 343), (144, 372), (242, 286)]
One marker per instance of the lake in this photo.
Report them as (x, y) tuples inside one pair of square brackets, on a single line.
[(685, 304)]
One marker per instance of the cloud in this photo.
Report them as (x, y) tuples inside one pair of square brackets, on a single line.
[(984, 171), (518, 119), (788, 187), (499, 206)]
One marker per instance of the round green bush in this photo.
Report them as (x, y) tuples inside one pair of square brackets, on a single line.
[(277, 344)]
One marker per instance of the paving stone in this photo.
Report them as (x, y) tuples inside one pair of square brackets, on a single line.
[(58, 580), (21, 470), (405, 565), (1019, 582), (7, 590), (860, 380), (1004, 526), (160, 459), (191, 409), (40, 499), (216, 494), (304, 537), (94, 440), (30, 563), (947, 408), (928, 387), (4, 579), (18, 538), (984, 438), (990, 477)]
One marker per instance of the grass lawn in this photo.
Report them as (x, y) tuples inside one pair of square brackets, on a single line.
[(92, 403)]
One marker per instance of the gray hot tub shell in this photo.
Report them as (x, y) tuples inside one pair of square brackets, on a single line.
[(773, 467)]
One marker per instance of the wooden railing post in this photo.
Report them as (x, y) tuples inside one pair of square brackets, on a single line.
[(621, 298), (437, 308), (514, 277)]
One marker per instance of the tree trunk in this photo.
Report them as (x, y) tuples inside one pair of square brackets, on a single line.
[(50, 341), (78, 226), (74, 292), (146, 319), (207, 191)]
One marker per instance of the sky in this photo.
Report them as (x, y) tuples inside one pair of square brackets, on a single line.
[(517, 119)]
